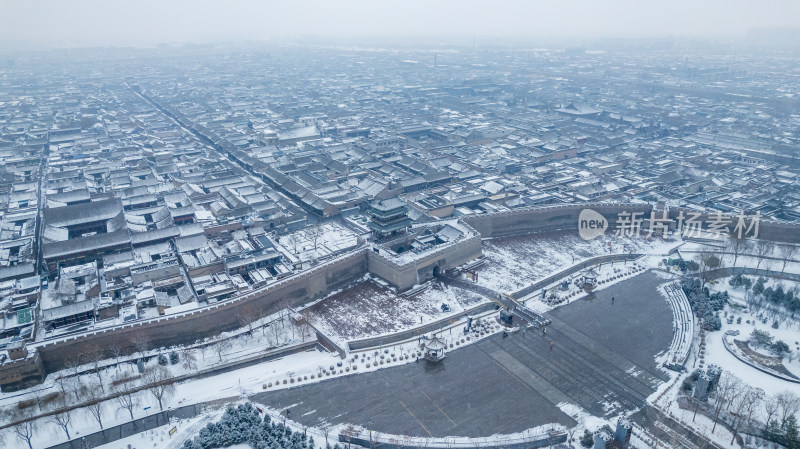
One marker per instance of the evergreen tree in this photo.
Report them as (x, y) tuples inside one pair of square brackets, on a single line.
[(791, 439), (772, 431), (758, 287), (587, 440)]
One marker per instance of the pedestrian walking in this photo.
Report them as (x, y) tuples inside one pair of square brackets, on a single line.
[(552, 343)]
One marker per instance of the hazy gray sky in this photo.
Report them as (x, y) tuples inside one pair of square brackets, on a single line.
[(148, 22)]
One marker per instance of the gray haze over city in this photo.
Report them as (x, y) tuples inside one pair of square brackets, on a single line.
[(100, 23)]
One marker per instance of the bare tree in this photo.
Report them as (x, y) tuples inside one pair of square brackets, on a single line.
[(753, 401), (93, 356), (787, 252), (73, 365), (158, 382), (94, 404), (275, 329), (733, 397), (72, 385), (769, 263), (314, 233), (737, 406), (264, 329), (127, 400), (62, 416), (326, 429), (286, 312), (726, 387), (142, 344), (38, 395), (736, 246), (306, 323), (294, 242), (25, 426), (189, 359), (246, 318), (116, 351), (221, 346), (788, 404), (762, 248), (770, 408), (203, 348), (708, 260)]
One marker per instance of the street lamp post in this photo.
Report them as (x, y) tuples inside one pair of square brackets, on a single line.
[(369, 427)]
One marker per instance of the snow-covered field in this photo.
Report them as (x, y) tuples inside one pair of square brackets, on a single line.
[(369, 309), (515, 262)]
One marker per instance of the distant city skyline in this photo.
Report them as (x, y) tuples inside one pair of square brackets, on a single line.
[(77, 23)]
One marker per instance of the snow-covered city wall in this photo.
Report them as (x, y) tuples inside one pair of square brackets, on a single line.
[(185, 327), (406, 272), (565, 217)]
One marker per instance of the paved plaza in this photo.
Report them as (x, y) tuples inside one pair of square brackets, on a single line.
[(601, 360)]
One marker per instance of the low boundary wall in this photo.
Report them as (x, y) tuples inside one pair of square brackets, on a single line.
[(519, 294), (365, 438), (130, 428), (717, 273)]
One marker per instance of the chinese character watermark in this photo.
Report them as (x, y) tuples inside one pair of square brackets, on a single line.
[(689, 224)]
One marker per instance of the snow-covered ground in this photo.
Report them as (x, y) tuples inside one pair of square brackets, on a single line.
[(305, 367), (318, 241), (748, 257), (515, 262), (788, 331), (370, 309), (234, 385), (715, 353), (269, 333), (159, 437), (664, 399)]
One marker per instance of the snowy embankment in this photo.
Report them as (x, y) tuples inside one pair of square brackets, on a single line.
[(516, 262)]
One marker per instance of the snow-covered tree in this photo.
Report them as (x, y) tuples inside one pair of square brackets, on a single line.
[(94, 405), (25, 427), (127, 400), (158, 380), (221, 346), (189, 359), (62, 416)]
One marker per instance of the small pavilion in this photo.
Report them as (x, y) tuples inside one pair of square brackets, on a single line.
[(434, 349)]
